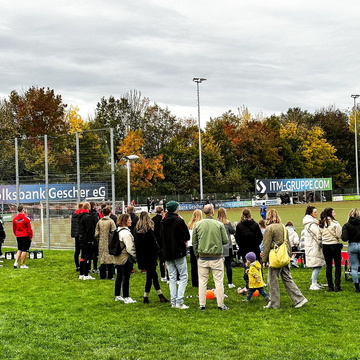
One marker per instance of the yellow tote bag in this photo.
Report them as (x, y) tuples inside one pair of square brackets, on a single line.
[(278, 256)]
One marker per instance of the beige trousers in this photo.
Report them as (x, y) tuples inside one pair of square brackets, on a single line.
[(217, 268)]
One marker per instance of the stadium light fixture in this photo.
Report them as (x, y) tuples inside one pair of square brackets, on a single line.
[(199, 81), (356, 149), (128, 159)]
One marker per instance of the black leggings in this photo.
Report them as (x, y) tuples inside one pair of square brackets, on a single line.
[(229, 273), (106, 271), (77, 252), (151, 278), (194, 269), (333, 252), (123, 279)]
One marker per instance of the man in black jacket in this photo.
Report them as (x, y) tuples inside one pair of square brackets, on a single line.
[(173, 237), (86, 238)]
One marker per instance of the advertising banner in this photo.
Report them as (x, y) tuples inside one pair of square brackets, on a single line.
[(272, 186), (217, 204), (57, 192), (346, 197)]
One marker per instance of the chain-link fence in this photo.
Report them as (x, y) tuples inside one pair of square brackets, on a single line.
[(49, 176)]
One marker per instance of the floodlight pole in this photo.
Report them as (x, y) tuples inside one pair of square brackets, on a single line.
[(199, 81), (128, 158), (356, 147)]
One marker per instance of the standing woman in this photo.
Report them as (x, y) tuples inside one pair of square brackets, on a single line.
[(313, 248), (351, 233), (196, 216), (227, 249), (248, 236), (329, 234), (147, 252), (103, 227), (275, 234), (124, 262)]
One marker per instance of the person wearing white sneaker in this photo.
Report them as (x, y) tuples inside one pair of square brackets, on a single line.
[(276, 234), (124, 261), (313, 249), (23, 232), (24, 267), (173, 237)]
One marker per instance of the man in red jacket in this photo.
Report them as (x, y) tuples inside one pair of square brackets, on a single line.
[(23, 232)]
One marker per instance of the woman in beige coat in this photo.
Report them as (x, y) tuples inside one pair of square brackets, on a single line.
[(124, 262), (103, 227)]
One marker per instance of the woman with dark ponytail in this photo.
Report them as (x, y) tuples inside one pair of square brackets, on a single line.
[(329, 234)]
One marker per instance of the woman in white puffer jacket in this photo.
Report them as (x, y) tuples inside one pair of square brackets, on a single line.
[(313, 247)]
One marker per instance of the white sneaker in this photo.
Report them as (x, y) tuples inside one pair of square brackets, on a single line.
[(315, 287), (1, 261), (129, 300), (231, 286), (24, 267), (164, 279), (119, 298), (183, 306), (301, 303), (81, 277), (2, 256), (15, 265), (268, 306), (88, 277)]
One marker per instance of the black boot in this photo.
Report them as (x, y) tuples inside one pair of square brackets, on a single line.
[(163, 299), (357, 289), (146, 300)]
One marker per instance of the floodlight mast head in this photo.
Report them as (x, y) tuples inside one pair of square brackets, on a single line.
[(132, 157), (198, 80)]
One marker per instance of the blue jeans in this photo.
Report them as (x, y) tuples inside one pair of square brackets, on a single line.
[(354, 256), (175, 266), (262, 292)]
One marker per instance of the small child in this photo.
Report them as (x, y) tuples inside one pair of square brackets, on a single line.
[(255, 277)]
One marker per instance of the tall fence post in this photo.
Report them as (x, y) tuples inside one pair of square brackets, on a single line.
[(17, 172), (112, 170), (47, 193), (78, 166)]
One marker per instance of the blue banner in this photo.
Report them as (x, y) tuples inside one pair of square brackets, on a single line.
[(217, 204), (268, 186), (57, 192)]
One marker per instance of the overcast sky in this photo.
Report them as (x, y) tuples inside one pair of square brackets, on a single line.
[(266, 55)]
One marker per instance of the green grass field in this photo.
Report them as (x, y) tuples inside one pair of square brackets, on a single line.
[(47, 313)]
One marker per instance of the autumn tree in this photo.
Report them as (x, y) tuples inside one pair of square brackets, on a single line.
[(310, 149), (146, 171), (38, 111)]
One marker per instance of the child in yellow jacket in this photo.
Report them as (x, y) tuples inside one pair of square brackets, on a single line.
[(255, 277)]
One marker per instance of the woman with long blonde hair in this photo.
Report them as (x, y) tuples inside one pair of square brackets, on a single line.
[(276, 234), (227, 249), (196, 216), (147, 253)]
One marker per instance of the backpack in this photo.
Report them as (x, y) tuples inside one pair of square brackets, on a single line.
[(115, 247)]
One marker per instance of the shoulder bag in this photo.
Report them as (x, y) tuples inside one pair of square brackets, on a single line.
[(278, 256)]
